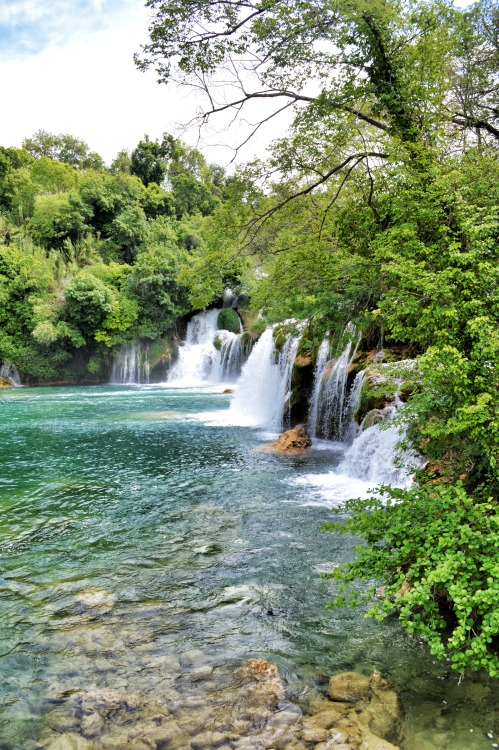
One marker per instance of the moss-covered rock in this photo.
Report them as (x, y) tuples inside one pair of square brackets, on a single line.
[(384, 384), (162, 353), (228, 320)]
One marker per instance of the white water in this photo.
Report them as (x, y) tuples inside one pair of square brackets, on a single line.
[(369, 461), (199, 361), (262, 394), (322, 359), (231, 356), (372, 456), (131, 366), (265, 384), (332, 405), (197, 355), (12, 373)]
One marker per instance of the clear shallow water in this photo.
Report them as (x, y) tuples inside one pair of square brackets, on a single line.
[(204, 550)]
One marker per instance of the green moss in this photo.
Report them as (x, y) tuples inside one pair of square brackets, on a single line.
[(228, 320), (217, 343), (247, 342)]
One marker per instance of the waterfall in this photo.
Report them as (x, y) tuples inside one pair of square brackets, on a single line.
[(265, 384), (11, 373), (372, 456), (198, 355), (200, 361), (322, 359), (332, 406), (131, 366), (232, 353), (369, 461)]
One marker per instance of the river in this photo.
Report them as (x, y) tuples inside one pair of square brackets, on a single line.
[(149, 547)]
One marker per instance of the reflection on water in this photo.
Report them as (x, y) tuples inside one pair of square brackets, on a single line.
[(145, 554)]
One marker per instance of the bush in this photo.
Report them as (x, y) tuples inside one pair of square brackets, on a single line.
[(436, 550), (228, 320)]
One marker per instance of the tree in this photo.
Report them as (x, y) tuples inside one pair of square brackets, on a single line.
[(357, 75), (149, 160), (473, 104), (88, 302), (63, 147), (122, 163)]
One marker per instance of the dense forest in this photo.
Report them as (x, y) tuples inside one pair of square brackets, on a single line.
[(379, 205)]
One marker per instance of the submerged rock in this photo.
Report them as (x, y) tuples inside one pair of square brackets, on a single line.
[(99, 600), (293, 441), (349, 686), (70, 741), (363, 714), (264, 682), (250, 714)]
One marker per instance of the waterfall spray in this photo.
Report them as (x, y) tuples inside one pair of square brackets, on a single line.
[(209, 354)]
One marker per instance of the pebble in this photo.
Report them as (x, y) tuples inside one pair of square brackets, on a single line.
[(92, 725), (285, 717)]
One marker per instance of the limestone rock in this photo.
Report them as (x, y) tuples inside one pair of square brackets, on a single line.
[(70, 741), (382, 713), (142, 743), (295, 440), (316, 734), (349, 686), (105, 701), (98, 600), (326, 719), (303, 360), (92, 725), (229, 390), (6, 383), (371, 742), (264, 682)]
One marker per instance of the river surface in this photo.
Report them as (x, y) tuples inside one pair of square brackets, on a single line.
[(143, 543)]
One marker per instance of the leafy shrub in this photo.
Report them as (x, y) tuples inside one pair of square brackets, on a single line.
[(228, 320), (437, 551)]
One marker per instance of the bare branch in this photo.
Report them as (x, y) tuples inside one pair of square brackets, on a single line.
[(258, 222)]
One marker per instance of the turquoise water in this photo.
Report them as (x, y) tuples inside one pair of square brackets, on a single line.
[(137, 540)]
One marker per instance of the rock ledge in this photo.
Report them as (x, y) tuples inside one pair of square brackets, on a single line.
[(293, 441)]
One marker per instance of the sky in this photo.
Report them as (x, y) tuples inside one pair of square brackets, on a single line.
[(66, 66)]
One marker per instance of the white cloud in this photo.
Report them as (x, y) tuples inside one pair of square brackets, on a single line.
[(91, 89)]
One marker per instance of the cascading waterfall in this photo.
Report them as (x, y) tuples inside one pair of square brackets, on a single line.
[(11, 373), (231, 357), (265, 384), (322, 359), (332, 405), (131, 366), (200, 361), (372, 456), (198, 355)]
